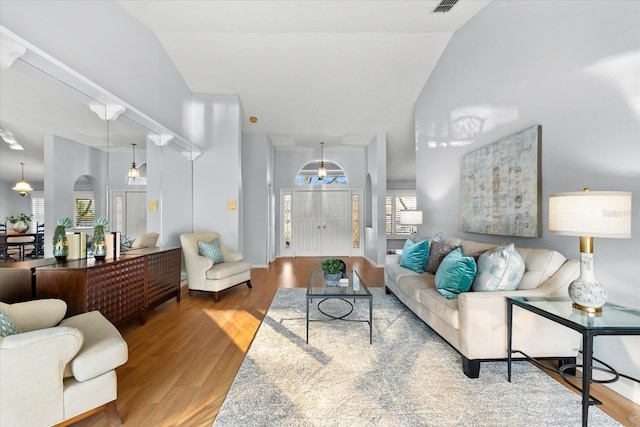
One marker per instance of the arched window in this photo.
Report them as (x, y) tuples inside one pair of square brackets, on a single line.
[(308, 174)]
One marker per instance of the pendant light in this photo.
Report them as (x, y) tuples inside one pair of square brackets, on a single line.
[(22, 186), (133, 172), (322, 170)]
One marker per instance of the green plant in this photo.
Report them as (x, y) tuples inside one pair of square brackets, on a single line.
[(332, 266), (101, 222), (20, 217)]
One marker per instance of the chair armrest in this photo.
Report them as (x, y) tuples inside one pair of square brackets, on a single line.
[(36, 314), (196, 270), (233, 256), (31, 368), (201, 263)]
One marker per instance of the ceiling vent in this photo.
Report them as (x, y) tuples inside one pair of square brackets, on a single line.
[(444, 6)]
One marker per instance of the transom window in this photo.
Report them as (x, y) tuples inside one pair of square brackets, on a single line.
[(308, 175)]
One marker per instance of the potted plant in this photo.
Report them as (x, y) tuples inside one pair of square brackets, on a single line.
[(99, 243), (20, 222), (60, 245), (332, 269)]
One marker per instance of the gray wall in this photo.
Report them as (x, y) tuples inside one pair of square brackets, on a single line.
[(573, 67), (11, 202), (65, 161), (375, 238), (256, 150)]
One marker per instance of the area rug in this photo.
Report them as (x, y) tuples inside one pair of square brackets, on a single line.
[(408, 377)]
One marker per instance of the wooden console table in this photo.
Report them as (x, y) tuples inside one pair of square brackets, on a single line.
[(120, 289)]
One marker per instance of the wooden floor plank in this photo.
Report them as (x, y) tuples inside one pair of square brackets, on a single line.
[(182, 362)]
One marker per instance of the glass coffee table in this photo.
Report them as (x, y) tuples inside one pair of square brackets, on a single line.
[(352, 290)]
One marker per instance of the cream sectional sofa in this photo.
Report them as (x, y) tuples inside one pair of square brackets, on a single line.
[(475, 323)]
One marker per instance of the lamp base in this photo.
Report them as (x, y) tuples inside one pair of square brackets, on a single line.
[(588, 310), (585, 292)]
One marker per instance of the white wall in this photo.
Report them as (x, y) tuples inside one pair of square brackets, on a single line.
[(217, 174), (106, 44), (573, 67)]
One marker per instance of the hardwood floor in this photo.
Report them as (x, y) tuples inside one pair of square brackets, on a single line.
[(183, 360)]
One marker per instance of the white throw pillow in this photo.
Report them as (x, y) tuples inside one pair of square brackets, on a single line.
[(499, 269)]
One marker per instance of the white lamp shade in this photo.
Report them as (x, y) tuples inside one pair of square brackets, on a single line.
[(22, 187), (591, 214), (410, 217)]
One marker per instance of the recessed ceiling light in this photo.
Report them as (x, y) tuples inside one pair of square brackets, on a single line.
[(253, 119)]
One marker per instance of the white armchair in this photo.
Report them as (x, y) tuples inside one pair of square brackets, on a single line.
[(205, 275), (52, 372), (148, 240)]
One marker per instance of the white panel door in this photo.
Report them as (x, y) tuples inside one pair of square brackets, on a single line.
[(321, 224), (136, 213)]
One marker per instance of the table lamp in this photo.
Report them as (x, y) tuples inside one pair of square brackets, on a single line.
[(411, 217), (589, 214)]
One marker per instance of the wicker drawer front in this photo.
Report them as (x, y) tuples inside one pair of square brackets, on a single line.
[(117, 289), (164, 276)]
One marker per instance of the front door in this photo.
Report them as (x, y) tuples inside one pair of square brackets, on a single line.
[(321, 223)]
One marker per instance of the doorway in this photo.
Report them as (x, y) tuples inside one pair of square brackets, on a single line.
[(321, 223), (129, 212)]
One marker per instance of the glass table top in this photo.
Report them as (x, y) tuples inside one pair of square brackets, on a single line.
[(318, 287), (612, 316)]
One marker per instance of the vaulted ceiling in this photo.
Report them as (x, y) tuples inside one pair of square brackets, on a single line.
[(311, 71)]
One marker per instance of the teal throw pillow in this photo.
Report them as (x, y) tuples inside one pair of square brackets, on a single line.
[(414, 255), (7, 327), (455, 274), (499, 269), (211, 250)]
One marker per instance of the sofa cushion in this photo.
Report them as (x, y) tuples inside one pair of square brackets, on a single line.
[(455, 274), (499, 269), (7, 326), (394, 272), (414, 255), (413, 284), (226, 269), (437, 252), (212, 250), (469, 247), (540, 265)]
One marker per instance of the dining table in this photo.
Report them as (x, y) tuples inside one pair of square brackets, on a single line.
[(20, 242)]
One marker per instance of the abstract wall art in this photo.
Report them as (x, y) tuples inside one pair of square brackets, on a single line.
[(500, 186)]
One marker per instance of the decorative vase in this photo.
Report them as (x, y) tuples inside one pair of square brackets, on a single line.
[(332, 279), (60, 244), (20, 226), (99, 244)]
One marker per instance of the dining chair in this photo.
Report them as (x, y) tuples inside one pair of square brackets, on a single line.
[(36, 249)]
